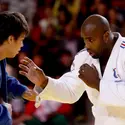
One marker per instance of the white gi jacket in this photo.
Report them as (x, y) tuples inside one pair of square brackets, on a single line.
[(108, 106)]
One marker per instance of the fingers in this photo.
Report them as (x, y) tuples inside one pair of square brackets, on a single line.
[(81, 73), (84, 66), (26, 61), (84, 69), (24, 68), (23, 61), (23, 73), (30, 95), (80, 76)]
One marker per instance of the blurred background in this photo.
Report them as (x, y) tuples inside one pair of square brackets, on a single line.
[(53, 41)]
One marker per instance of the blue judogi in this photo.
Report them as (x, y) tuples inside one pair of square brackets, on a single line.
[(8, 85)]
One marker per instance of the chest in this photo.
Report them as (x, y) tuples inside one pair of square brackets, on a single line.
[(112, 71), (102, 68)]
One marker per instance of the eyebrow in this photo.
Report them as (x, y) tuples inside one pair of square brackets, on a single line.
[(89, 37)]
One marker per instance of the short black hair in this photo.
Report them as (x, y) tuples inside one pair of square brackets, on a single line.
[(12, 23)]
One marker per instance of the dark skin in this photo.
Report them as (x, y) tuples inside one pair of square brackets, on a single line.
[(89, 75), (99, 41)]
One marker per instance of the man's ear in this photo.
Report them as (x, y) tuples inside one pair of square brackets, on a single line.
[(10, 39), (106, 36)]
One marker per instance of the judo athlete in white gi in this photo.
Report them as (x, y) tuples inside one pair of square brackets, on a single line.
[(99, 70)]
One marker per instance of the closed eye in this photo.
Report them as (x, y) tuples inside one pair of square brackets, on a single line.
[(89, 39)]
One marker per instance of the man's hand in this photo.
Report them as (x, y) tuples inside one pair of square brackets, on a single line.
[(33, 72), (90, 76), (9, 107), (30, 95)]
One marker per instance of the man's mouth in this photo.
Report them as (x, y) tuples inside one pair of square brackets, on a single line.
[(90, 53)]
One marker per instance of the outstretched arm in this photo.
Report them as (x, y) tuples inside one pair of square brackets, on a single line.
[(67, 89)]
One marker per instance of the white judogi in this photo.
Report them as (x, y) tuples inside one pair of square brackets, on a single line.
[(109, 107)]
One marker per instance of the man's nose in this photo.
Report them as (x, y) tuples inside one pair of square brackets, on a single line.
[(86, 46)]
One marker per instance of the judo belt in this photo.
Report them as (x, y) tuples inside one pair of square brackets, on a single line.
[(118, 112)]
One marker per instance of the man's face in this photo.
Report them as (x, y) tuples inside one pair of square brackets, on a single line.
[(93, 41), (15, 46)]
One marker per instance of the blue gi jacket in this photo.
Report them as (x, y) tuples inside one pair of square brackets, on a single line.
[(8, 85)]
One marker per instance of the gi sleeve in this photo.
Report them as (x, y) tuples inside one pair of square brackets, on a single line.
[(67, 89), (5, 117), (15, 87)]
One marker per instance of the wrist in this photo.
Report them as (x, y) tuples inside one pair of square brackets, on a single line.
[(44, 83)]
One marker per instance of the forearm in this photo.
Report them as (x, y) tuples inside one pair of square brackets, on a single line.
[(58, 91), (67, 89), (15, 87)]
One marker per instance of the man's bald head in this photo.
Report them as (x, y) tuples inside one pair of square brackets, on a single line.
[(97, 22), (97, 35)]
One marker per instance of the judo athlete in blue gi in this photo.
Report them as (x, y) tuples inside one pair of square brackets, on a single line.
[(13, 30)]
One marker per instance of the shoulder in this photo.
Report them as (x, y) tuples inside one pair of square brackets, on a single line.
[(82, 54), (81, 57), (83, 50)]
